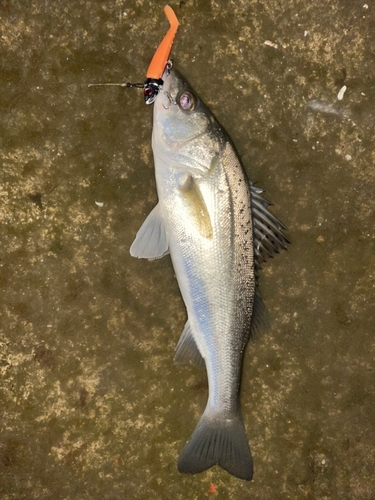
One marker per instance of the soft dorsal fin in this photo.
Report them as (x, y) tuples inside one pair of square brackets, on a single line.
[(260, 321)]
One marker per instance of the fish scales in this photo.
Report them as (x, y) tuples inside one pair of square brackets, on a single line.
[(213, 222), (215, 273)]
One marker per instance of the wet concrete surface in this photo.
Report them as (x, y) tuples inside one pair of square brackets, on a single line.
[(92, 406)]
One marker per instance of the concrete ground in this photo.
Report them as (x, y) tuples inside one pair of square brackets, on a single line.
[(92, 406)]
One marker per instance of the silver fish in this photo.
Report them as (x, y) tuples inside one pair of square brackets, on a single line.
[(216, 227)]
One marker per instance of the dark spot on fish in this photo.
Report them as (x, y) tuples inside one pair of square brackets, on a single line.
[(44, 357), (37, 199)]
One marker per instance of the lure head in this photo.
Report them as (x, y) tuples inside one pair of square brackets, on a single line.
[(151, 88)]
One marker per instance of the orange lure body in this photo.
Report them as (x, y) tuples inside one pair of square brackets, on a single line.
[(155, 71), (158, 62)]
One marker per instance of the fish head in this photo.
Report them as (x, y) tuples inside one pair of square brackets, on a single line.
[(178, 111), (185, 131)]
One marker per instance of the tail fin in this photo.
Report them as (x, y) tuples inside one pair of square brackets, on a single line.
[(218, 441)]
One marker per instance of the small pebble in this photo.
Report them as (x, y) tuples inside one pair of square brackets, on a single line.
[(341, 93)]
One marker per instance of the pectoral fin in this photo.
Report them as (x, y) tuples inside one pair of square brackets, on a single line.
[(151, 240), (195, 206)]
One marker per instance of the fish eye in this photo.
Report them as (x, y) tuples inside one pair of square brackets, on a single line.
[(187, 101)]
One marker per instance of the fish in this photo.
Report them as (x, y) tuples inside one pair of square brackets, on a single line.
[(218, 230)]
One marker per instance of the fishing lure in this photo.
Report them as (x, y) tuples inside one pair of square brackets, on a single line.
[(154, 82)]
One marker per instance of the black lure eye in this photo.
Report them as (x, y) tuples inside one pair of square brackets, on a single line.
[(187, 101)]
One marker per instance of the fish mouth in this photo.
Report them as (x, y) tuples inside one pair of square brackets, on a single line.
[(165, 99), (170, 100), (170, 89), (172, 83)]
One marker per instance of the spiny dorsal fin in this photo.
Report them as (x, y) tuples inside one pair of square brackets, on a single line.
[(267, 229)]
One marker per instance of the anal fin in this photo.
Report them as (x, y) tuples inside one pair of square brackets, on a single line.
[(187, 350)]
